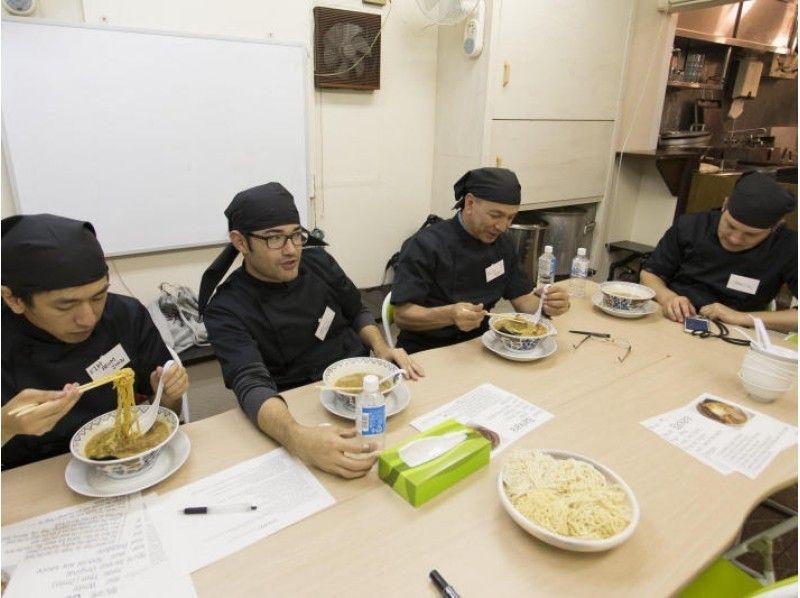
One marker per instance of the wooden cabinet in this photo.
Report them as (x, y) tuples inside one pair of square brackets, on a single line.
[(542, 99)]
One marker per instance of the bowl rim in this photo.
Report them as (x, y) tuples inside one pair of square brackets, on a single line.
[(551, 328), (392, 368), (624, 283), (568, 542), (171, 415)]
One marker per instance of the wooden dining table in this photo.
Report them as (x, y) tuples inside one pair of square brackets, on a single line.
[(373, 543)]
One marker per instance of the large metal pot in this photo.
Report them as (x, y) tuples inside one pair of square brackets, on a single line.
[(527, 234), (568, 229)]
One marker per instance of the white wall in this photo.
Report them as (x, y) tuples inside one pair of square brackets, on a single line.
[(371, 153)]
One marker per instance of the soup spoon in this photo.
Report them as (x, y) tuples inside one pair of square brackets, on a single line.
[(148, 418), (538, 315)]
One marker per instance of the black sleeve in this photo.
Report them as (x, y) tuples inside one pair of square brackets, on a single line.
[(347, 294), (666, 258), (243, 367), (413, 274), (790, 275), (519, 282)]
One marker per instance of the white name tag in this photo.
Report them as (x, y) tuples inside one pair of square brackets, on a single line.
[(325, 323), (743, 284), (495, 270), (109, 363)]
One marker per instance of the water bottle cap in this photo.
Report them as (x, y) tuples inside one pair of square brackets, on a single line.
[(370, 383), (581, 251), (548, 249)]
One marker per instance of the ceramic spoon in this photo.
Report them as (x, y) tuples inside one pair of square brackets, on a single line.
[(538, 315), (148, 418)]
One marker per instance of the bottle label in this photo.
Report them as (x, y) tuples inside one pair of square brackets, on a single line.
[(373, 420)]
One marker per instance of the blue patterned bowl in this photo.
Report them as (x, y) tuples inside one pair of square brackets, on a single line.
[(625, 296), (518, 342), (127, 466)]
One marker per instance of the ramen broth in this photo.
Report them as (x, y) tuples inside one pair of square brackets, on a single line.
[(354, 383), (520, 328), (105, 444)]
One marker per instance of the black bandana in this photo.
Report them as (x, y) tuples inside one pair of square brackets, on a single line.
[(493, 184), (759, 201), (265, 206), (43, 252)]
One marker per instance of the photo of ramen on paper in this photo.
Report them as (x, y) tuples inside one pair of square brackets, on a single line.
[(723, 412)]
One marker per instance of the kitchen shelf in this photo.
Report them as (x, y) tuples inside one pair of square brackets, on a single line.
[(689, 85)]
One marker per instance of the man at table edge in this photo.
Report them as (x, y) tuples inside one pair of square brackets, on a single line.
[(729, 265), (450, 274)]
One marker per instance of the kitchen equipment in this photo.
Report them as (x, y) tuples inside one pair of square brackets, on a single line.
[(527, 234), (690, 138), (709, 114), (568, 229)]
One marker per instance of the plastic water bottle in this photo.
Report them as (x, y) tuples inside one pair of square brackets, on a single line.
[(371, 412), (578, 273), (546, 273)]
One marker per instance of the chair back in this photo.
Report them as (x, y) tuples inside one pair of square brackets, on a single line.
[(387, 318)]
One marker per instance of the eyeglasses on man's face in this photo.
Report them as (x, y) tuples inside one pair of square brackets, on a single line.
[(278, 240)]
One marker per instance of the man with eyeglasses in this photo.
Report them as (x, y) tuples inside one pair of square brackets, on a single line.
[(729, 265), (452, 273), (279, 320)]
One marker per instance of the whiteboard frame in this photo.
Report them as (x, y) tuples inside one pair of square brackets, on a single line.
[(305, 209)]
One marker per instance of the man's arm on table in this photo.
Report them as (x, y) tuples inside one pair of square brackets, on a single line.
[(784, 320), (464, 316), (675, 307)]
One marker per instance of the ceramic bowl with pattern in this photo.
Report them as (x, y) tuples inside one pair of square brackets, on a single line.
[(503, 325), (625, 296), (127, 466), (337, 374)]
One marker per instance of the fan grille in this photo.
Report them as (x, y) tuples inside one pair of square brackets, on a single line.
[(347, 36)]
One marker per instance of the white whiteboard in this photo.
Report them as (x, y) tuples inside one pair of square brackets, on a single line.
[(149, 135)]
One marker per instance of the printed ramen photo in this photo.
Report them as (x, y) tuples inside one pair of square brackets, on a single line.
[(722, 412)]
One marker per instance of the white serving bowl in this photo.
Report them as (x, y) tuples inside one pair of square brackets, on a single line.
[(765, 378), (127, 466), (763, 394), (758, 361), (567, 542), (625, 296), (359, 365), (520, 342)]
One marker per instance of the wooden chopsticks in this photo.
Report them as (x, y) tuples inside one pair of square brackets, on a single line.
[(22, 410)]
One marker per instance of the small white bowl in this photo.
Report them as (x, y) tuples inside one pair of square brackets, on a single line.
[(127, 466), (625, 296), (567, 542), (755, 360), (520, 342), (763, 394), (359, 365), (765, 378), (777, 353)]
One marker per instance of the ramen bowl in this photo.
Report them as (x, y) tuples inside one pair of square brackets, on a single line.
[(359, 365), (574, 544), (625, 296), (124, 467), (520, 342)]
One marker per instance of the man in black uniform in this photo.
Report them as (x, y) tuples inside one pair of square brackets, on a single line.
[(278, 321), (452, 272), (729, 265), (62, 327)]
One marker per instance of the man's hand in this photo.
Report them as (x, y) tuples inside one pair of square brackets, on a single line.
[(467, 316), (556, 301), (52, 406), (403, 360), (176, 382), (717, 311), (335, 450), (677, 308)]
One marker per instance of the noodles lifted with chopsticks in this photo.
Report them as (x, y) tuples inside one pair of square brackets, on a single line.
[(565, 496)]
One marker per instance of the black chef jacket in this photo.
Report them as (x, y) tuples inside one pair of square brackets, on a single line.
[(691, 261), (32, 358), (443, 264), (264, 333)]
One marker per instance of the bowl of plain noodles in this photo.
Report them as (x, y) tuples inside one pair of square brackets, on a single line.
[(346, 376), (113, 444), (625, 296), (519, 331), (567, 500)]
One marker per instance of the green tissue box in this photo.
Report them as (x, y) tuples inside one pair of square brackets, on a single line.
[(421, 483)]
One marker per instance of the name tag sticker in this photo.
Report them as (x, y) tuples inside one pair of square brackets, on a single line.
[(495, 270), (743, 284), (109, 363), (325, 323)]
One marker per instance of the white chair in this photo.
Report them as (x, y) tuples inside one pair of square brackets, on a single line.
[(387, 318)]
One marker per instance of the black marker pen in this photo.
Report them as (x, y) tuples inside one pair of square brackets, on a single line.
[(445, 588)]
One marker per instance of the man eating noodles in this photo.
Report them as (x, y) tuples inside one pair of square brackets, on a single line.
[(62, 327)]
